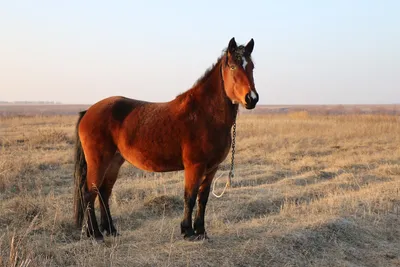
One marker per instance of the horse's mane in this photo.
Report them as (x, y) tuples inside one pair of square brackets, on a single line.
[(208, 72)]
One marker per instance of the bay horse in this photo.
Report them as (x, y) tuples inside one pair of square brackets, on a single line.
[(191, 132)]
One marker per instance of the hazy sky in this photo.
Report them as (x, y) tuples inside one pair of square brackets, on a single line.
[(306, 52)]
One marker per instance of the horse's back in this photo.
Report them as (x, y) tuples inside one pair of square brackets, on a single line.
[(113, 110), (104, 117)]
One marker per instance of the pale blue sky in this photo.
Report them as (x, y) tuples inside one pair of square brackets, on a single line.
[(306, 52)]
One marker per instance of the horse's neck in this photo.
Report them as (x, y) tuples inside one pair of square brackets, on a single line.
[(212, 94)]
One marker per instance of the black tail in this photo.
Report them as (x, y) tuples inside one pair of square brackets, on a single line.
[(80, 176)]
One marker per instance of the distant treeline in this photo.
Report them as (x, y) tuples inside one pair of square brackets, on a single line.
[(31, 102)]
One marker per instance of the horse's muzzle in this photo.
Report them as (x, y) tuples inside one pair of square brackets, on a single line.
[(251, 99)]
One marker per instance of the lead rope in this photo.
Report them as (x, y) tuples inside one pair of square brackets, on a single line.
[(232, 170)]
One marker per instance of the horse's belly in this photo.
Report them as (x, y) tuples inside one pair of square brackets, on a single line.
[(153, 161)]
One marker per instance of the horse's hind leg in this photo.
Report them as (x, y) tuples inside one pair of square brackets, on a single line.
[(105, 192), (90, 197), (97, 163)]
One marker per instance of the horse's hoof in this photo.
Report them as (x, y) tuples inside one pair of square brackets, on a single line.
[(114, 234), (108, 231), (98, 240), (197, 237), (189, 237), (201, 237)]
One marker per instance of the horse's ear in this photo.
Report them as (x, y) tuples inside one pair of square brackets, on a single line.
[(232, 45), (249, 47)]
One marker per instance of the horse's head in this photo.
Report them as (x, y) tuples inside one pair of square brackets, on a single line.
[(237, 73)]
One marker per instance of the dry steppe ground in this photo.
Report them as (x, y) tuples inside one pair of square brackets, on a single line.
[(309, 190), (69, 109)]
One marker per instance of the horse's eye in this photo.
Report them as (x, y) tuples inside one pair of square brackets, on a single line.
[(233, 67)]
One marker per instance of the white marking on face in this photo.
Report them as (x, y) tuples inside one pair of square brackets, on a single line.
[(244, 63), (253, 95)]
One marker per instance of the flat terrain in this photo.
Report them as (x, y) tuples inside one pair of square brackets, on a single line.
[(309, 190), (33, 110), (68, 109)]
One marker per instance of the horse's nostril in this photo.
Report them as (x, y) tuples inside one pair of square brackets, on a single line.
[(248, 98)]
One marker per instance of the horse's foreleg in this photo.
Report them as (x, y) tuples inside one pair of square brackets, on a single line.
[(193, 176), (202, 199)]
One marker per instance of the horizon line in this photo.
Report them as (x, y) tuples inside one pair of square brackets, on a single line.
[(45, 102)]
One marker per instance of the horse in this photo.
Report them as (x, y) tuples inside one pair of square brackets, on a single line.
[(191, 132)]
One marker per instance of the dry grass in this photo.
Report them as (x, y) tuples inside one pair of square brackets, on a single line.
[(309, 191)]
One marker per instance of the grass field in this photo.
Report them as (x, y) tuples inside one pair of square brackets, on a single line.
[(309, 190)]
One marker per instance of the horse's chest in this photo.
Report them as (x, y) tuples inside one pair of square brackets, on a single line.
[(217, 148)]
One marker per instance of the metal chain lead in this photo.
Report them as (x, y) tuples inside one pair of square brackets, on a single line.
[(232, 170)]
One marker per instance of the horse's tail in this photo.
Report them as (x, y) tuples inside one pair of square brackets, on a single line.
[(80, 176)]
